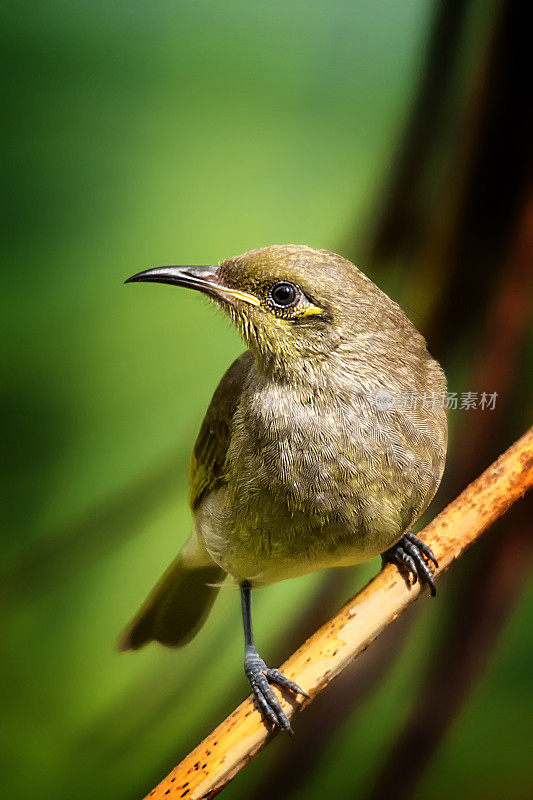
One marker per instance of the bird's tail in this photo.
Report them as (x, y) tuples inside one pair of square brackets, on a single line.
[(176, 608)]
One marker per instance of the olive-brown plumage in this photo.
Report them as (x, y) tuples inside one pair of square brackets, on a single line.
[(323, 444)]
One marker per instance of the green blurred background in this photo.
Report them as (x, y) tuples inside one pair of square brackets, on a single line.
[(178, 132)]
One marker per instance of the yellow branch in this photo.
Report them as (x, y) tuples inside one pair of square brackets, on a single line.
[(205, 771)]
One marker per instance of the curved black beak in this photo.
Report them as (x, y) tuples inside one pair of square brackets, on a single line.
[(201, 278), (204, 279)]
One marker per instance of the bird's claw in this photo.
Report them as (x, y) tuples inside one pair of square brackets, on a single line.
[(260, 678), (409, 554)]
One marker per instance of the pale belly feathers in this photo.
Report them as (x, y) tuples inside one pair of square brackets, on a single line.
[(317, 486)]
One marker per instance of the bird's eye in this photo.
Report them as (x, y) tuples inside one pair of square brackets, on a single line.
[(284, 294)]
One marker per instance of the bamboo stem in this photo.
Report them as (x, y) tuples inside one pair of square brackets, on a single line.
[(210, 767)]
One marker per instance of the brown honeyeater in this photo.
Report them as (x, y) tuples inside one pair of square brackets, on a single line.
[(324, 442)]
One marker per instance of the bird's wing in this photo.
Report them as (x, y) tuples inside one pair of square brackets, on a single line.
[(209, 455)]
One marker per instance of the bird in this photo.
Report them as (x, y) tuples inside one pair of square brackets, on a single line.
[(323, 443)]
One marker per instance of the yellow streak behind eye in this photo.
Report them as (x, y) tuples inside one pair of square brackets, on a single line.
[(309, 310)]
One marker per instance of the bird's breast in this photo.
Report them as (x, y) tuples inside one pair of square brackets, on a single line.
[(314, 484)]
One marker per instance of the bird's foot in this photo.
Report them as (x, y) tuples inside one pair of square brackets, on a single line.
[(260, 678), (412, 554)]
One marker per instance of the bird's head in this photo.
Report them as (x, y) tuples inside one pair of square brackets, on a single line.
[(292, 304)]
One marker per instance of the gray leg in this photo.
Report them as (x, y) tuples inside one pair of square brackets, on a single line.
[(259, 675)]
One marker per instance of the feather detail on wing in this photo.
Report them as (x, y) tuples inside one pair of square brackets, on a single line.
[(208, 460)]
